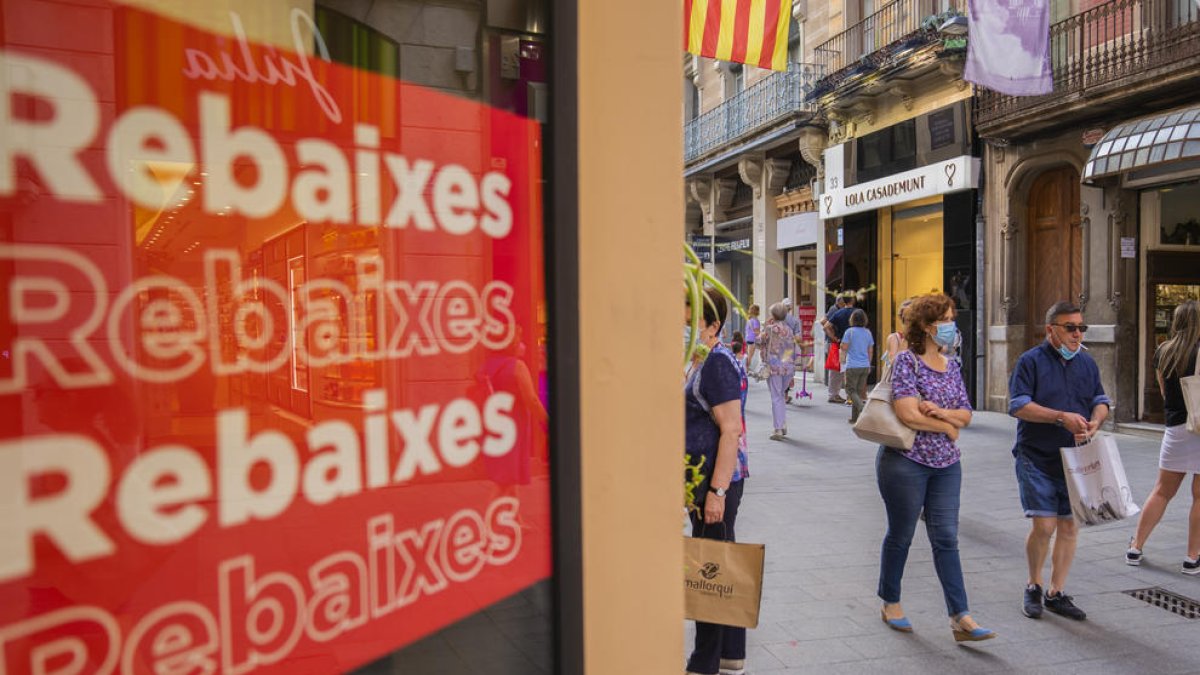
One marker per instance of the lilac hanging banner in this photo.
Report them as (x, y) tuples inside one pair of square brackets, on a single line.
[(1009, 47)]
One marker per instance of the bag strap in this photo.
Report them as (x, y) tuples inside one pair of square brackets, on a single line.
[(1197, 373)]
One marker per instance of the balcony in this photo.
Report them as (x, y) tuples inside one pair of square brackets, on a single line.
[(1110, 58), (777, 98), (895, 30)]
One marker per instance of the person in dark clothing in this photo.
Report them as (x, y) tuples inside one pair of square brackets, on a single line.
[(835, 325), (1055, 392), (714, 436)]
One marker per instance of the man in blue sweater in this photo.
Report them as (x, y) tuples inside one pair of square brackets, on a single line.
[(1055, 392)]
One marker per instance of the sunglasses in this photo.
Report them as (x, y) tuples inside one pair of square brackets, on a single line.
[(1071, 327)]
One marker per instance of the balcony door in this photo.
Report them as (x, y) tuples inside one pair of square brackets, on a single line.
[(1055, 246)]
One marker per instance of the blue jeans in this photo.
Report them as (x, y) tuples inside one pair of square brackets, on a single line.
[(713, 641), (908, 487)]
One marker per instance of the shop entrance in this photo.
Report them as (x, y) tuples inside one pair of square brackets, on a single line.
[(1163, 298), (916, 251), (1055, 246)]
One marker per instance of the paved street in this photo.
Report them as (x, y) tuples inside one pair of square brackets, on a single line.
[(812, 500)]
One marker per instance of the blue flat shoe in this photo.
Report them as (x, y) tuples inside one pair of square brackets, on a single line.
[(976, 634), (902, 624)]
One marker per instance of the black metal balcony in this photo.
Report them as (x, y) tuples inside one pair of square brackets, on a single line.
[(767, 102), (1103, 51), (893, 30)]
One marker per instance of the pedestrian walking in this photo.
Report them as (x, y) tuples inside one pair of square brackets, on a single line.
[(753, 327), (857, 353), (797, 335), (778, 345), (835, 325), (715, 402), (1179, 453), (928, 395), (1056, 394)]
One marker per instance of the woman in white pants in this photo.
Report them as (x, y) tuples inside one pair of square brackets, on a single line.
[(1180, 451)]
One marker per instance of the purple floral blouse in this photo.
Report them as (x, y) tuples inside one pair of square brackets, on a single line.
[(778, 346), (910, 377)]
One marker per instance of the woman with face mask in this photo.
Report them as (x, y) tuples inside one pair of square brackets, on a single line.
[(928, 395)]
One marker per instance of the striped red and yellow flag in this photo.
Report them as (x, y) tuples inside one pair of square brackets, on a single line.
[(745, 31)]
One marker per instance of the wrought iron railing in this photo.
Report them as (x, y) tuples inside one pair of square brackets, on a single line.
[(770, 100), (893, 22), (1105, 44)]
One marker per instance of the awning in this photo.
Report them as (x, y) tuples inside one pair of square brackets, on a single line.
[(1148, 142)]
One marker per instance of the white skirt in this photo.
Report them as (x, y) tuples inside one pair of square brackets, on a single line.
[(1180, 450)]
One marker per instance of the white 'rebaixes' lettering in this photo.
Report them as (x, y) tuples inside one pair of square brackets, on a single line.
[(150, 155)]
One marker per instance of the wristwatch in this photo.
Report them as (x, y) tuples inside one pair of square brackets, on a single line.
[(1059, 422), (720, 492)]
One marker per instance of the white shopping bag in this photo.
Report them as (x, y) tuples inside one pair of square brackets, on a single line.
[(1096, 482)]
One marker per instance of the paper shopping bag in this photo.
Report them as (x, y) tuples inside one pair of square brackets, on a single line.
[(722, 581), (1096, 482)]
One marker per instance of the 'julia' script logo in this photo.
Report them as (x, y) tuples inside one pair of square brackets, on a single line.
[(274, 68)]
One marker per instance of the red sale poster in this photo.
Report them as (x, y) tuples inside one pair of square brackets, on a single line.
[(272, 332)]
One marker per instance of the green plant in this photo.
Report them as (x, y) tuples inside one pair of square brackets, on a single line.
[(693, 478)]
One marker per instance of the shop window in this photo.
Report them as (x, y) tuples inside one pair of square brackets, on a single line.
[(1179, 223), (887, 151)]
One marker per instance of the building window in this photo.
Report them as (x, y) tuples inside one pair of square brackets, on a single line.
[(691, 99), (735, 80), (795, 42), (887, 151)]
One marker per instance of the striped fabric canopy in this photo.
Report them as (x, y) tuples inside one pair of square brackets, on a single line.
[(746, 31)]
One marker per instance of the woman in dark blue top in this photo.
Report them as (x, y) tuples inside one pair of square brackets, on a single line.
[(713, 401)]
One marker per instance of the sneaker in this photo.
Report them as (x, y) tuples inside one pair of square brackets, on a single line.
[(1062, 605), (733, 667), (1133, 556), (777, 436), (1191, 565), (836, 399), (1033, 602)]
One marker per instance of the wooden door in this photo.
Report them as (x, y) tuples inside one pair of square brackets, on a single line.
[(1055, 246)]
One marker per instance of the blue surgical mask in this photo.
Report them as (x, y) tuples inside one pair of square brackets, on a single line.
[(946, 332), (1067, 353)]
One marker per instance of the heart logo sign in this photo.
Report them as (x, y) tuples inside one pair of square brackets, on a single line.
[(951, 169), (828, 203)]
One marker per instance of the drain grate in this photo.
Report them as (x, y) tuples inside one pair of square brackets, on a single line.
[(1172, 602)]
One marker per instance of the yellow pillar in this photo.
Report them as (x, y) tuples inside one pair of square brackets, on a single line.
[(630, 321)]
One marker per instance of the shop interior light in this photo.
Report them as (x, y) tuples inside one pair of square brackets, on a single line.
[(955, 25)]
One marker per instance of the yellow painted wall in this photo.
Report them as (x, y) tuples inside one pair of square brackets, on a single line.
[(630, 208)]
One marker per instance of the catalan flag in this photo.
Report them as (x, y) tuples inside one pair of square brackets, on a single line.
[(745, 31)]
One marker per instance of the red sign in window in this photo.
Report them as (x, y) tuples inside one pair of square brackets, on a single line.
[(272, 335)]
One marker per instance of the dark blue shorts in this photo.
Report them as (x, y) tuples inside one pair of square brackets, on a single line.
[(1042, 494)]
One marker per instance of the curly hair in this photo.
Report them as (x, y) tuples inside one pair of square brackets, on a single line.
[(923, 312)]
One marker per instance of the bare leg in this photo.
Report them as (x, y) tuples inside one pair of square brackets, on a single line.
[(1037, 545), (1156, 504), (1194, 520), (1064, 553)]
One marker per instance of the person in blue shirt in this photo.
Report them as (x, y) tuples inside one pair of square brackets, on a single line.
[(1055, 392), (857, 352)]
